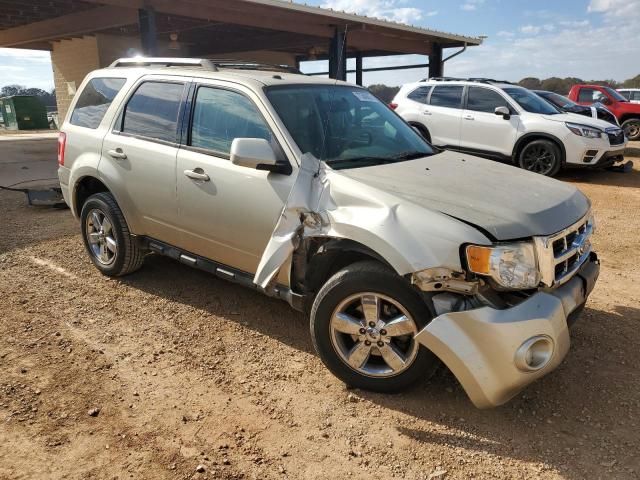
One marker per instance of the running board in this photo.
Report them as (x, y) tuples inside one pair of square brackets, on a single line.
[(224, 272)]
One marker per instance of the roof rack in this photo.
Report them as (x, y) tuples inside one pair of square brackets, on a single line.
[(252, 65), (204, 63), (444, 79), (490, 80), (164, 62), (473, 79)]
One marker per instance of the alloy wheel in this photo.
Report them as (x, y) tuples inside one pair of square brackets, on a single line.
[(538, 159), (374, 335), (101, 237)]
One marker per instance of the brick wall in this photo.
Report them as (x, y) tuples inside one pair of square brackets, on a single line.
[(72, 60)]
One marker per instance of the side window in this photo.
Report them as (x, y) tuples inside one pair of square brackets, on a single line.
[(635, 95), (447, 96), (220, 116), (420, 94), (94, 101), (152, 111), (626, 94), (588, 95), (485, 100)]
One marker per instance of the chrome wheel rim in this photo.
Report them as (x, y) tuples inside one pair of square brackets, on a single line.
[(374, 335), (101, 238), (538, 159)]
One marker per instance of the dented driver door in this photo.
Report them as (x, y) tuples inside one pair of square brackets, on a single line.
[(227, 212)]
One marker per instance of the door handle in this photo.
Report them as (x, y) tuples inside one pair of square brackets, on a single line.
[(117, 153), (469, 117), (197, 174)]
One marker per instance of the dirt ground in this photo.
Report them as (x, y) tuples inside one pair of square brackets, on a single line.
[(170, 371)]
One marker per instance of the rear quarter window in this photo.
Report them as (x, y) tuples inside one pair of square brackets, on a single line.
[(94, 100), (420, 94)]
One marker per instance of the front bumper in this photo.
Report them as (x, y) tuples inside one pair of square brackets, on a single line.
[(591, 152), (481, 346), (607, 159)]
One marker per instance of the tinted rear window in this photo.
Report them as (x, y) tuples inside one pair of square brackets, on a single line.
[(450, 96), (152, 111), (95, 100), (420, 94)]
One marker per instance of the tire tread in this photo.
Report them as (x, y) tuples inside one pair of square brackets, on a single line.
[(133, 254)]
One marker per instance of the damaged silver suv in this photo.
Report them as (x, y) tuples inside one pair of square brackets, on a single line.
[(315, 192)]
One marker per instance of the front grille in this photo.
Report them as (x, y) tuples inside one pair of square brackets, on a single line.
[(616, 136), (562, 254)]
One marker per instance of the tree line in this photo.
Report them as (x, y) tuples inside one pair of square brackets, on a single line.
[(48, 98), (563, 85), (553, 84)]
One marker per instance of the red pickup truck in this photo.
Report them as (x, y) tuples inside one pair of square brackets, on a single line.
[(627, 113)]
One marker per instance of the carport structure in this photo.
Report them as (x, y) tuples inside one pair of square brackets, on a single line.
[(83, 35)]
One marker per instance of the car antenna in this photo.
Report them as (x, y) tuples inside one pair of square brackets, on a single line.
[(326, 123)]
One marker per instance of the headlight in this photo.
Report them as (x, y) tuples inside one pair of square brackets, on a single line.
[(511, 265), (583, 130)]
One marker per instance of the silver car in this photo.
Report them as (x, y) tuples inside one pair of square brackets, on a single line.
[(315, 192)]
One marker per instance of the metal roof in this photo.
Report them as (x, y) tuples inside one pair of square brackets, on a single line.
[(219, 25), (353, 17)]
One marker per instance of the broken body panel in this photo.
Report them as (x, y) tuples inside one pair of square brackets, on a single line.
[(408, 217)]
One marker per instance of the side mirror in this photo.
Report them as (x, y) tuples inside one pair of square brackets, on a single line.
[(254, 153), (504, 111)]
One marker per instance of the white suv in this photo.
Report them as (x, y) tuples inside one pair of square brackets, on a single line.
[(503, 121)]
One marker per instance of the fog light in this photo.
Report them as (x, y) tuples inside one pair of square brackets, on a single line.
[(534, 354)]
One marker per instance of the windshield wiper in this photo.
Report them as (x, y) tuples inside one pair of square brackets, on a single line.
[(410, 155), (360, 159)]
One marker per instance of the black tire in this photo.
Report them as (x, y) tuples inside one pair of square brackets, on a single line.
[(424, 131), (631, 128), (128, 256), (369, 276), (541, 156)]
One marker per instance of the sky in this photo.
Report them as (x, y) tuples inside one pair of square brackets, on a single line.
[(590, 39)]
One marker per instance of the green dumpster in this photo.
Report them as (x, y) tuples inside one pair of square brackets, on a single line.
[(23, 112)]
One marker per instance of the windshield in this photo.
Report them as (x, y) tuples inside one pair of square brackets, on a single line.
[(561, 101), (615, 94), (531, 102), (347, 127)]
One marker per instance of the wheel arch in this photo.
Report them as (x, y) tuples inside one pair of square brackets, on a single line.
[(318, 258), (420, 126), (83, 188), (530, 137), (629, 116)]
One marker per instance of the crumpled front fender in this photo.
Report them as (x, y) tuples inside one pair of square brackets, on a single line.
[(479, 346)]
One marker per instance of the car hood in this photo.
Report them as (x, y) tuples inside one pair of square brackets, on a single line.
[(504, 201), (577, 118)]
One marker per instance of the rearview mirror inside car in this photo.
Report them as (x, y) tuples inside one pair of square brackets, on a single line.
[(504, 111), (254, 153)]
